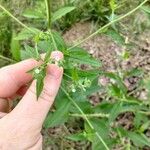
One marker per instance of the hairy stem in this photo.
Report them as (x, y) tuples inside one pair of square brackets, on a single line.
[(109, 24), (99, 115), (85, 117), (9, 14), (48, 8)]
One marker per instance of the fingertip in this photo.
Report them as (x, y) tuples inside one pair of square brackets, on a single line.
[(57, 55), (55, 71)]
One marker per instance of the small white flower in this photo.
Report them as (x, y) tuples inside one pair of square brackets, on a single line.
[(37, 71), (73, 90), (57, 58)]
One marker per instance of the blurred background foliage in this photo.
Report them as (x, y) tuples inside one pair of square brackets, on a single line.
[(98, 11)]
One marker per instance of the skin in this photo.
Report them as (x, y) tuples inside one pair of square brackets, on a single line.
[(20, 129)]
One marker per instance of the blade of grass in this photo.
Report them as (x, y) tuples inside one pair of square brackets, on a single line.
[(85, 117), (109, 24)]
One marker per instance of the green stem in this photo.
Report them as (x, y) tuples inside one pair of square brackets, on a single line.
[(99, 115), (7, 59), (85, 117), (48, 8), (9, 14), (36, 50), (109, 24), (68, 76)]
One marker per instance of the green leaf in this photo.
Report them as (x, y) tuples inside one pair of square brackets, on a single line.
[(31, 51), (115, 111), (45, 46), (60, 115), (32, 14), (117, 79), (145, 126), (85, 105), (75, 76), (60, 43), (25, 34), (39, 86), (146, 9), (100, 126), (77, 137), (113, 5), (40, 81), (79, 55), (116, 36), (61, 12), (15, 49), (115, 91), (139, 139), (134, 72)]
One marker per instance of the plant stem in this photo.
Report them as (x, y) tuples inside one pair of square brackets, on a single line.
[(48, 8), (9, 14), (53, 40), (99, 115), (109, 24), (7, 59), (85, 117)]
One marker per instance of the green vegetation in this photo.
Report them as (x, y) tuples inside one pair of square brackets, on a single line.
[(39, 28)]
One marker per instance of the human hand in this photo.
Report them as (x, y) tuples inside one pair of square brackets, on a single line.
[(20, 129)]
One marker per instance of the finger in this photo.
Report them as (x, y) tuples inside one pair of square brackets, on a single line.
[(22, 90), (30, 106), (4, 105), (14, 76), (2, 114)]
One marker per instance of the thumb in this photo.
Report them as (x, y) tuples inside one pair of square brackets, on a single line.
[(29, 106)]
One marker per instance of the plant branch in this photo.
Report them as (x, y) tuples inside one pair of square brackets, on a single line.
[(99, 115), (109, 24), (48, 8), (85, 117), (7, 59), (9, 14)]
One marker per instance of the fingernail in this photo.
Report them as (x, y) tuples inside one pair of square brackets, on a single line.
[(55, 71)]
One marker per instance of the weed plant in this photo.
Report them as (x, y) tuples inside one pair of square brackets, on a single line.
[(100, 122)]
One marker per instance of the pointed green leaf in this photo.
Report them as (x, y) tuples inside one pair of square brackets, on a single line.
[(39, 81), (77, 137), (61, 12), (60, 115), (79, 55), (25, 34)]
